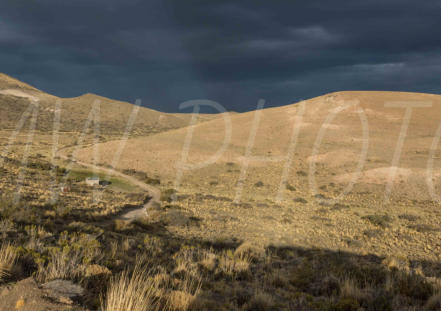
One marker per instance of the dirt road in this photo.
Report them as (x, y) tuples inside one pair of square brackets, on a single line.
[(136, 213)]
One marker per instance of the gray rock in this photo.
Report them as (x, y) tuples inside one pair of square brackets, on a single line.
[(26, 295), (63, 291)]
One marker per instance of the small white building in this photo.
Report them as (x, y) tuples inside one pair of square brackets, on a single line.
[(93, 181), (65, 189)]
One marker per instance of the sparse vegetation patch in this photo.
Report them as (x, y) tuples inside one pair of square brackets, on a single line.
[(382, 221)]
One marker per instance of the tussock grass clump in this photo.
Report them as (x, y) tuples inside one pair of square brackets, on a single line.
[(120, 225), (185, 295), (135, 291), (260, 301), (350, 289), (180, 300), (62, 265), (6, 226), (249, 250), (8, 257), (208, 260), (234, 266)]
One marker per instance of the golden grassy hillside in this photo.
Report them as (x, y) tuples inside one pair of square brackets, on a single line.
[(15, 97), (308, 211), (335, 160), (198, 249)]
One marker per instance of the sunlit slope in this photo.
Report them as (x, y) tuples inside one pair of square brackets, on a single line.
[(16, 96), (333, 132)]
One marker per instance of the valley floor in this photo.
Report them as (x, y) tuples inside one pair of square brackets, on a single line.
[(198, 250)]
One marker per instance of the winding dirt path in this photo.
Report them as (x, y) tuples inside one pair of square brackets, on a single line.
[(155, 193)]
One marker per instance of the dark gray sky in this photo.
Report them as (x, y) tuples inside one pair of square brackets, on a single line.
[(234, 52)]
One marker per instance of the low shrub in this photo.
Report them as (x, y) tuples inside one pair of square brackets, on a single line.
[(382, 221), (259, 184), (290, 187), (300, 200), (168, 195)]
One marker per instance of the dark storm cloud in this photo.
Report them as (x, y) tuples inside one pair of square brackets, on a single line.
[(235, 52)]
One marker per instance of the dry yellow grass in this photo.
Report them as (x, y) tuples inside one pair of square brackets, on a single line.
[(8, 258), (185, 296), (300, 218), (114, 115), (63, 265), (350, 289), (260, 301), (222, 243), (134, 291), (338, 154), (143, 290)]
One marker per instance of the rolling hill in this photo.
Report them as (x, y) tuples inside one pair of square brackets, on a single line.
[(15, 97), (334, 157)]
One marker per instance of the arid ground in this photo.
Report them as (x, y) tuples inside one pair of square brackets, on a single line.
[(326, 204)]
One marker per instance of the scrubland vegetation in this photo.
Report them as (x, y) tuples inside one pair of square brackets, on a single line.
[(196, 247), (144, 266)]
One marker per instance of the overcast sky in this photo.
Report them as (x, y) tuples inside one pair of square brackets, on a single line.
[(233, 52)]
